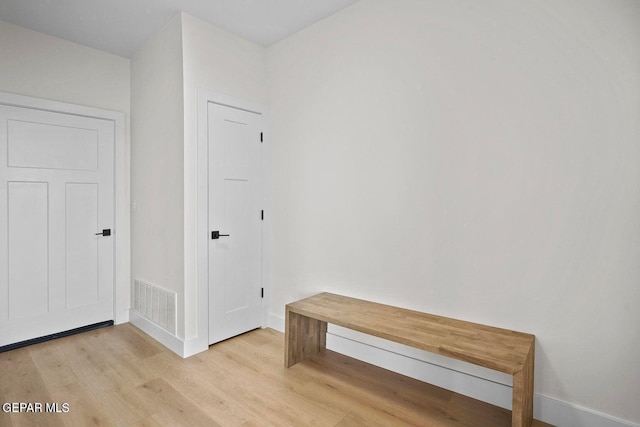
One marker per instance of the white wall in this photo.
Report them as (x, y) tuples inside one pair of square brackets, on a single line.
[(157, 166), (477, 160), (187, 55), (218, 61), (42, 66)]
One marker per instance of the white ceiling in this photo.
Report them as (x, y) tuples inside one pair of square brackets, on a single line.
[(122, 26)]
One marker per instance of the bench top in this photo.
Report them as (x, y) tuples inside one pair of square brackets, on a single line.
[(495, 348)]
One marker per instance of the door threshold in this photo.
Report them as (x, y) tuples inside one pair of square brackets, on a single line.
[(39, 340)]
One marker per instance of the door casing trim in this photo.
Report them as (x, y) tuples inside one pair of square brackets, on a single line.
[(121, 235), (206, 96)]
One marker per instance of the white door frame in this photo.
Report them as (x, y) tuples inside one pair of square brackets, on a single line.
[(122, 287), (206, 96)]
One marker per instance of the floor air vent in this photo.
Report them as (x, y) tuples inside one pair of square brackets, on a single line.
[(155, 304)]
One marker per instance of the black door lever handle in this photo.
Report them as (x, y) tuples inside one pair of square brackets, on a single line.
[(105, 232), (217, 235)]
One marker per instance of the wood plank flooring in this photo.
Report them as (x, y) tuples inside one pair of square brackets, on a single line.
[(118, 376)]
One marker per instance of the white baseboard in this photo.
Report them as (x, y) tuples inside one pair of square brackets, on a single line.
[(183, 348), (121, 316), (172, 342), (547, 409), (194, 346)]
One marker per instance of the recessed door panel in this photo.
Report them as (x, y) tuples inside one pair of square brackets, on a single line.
[(236, 141), (28, 261), (50, 146), (237, 262), (81, 244)]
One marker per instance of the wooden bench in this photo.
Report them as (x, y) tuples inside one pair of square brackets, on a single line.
[(499, 349)]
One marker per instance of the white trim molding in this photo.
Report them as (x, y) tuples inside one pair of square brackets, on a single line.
[(206, 96), (164, 337), (183, 348), (547, 409), (122, 262)]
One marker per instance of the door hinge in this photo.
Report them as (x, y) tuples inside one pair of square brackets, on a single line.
[(261, 139), (262, 215), (261, 292)]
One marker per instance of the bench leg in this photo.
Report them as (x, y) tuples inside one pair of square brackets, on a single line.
[(303, 336), (522, 406)]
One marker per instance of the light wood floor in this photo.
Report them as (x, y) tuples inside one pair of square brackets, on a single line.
[(119, 376)]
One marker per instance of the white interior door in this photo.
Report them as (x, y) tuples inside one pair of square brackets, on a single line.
[(56, 193), (235, 191)]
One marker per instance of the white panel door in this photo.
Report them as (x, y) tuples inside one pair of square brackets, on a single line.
[(56, 193), (235, 189)]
